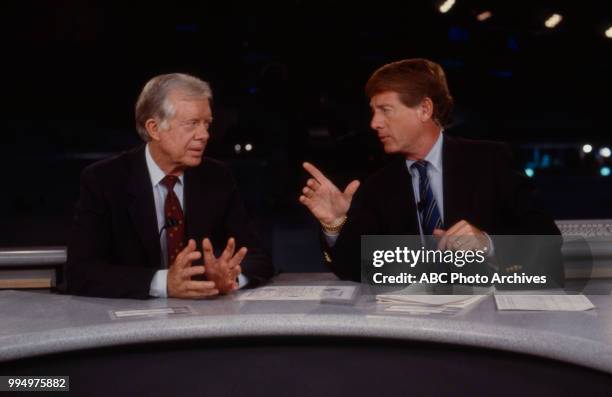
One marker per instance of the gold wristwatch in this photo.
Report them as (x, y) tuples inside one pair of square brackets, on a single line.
[(334, 227)]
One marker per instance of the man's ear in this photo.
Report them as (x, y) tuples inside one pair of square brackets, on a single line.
[(152, 127), (426, 109)]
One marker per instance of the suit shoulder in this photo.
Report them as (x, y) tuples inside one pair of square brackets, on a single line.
[(212, 164), (113, 167), (479, 146), (214, 171)]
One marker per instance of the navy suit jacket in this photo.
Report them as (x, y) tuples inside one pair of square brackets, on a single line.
[(480, 185)]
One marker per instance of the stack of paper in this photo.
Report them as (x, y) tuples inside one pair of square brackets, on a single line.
[(299, 293), (428, 304)]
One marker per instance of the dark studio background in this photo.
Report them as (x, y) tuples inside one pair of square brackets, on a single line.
[(288, 80)]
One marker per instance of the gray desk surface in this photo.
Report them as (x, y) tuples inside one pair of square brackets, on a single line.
[(33, 323)]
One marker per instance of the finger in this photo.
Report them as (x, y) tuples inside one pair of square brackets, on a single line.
[(471, 240), (460, 238), (453, 242), (458, 242), (306, 201), (209, 256), (199, 286), (443, 243), (190, 257), (456, 227), (229, 249), (351, 188), (236, 272), (308, 192), (235, 277), (237, 259), (314, 171), (192, 271), (180, 258), (466, 230), (313, 184), (201, 294), (439, 233)]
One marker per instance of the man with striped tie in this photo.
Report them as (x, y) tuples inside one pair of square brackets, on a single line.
[(453, 192)]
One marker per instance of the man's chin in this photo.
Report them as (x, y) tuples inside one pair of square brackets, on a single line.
[(193, 161), (389, 149)]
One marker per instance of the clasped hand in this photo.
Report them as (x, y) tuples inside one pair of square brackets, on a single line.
[(462, 236)]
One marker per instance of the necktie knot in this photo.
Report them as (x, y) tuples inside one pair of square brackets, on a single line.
[(169, 181), (421, 167)]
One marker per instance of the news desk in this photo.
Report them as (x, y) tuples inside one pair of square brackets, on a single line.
[(295, 348)]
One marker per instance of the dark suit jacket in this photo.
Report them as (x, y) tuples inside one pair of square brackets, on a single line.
[(114, 248), (480, 186)]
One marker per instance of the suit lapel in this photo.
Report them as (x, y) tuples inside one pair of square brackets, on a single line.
[(458, 186), (141, 206), (401, 200)]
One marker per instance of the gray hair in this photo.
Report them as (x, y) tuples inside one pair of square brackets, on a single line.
[(153, 101)]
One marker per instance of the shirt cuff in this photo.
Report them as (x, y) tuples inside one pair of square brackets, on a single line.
[(242, 281), (159, 284), (330, 238)]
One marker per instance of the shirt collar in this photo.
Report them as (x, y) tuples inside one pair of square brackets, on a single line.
[(434, 157), (155, 172)]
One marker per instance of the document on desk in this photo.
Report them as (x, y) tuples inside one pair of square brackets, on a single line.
[(299, 293), (428, 304), (155, 312), (430, 300), (566, 303)]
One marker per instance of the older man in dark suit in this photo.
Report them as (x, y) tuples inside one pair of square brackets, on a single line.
[(142, 215)]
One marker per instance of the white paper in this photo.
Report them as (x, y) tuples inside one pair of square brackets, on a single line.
[(162, 311), (297, 293), (430, 300), (569, 303), (412, 309)]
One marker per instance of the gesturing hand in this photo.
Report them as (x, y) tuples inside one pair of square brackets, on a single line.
[(179, 282), (225, 269), (462, 236), (324, 200)]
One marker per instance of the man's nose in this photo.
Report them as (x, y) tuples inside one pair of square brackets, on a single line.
[(202, 133), (376, 122)]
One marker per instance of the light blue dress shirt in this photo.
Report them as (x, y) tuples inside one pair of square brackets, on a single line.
[(159, 283)]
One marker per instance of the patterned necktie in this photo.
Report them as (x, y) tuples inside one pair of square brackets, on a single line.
[(428, 207), (175, 221)]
